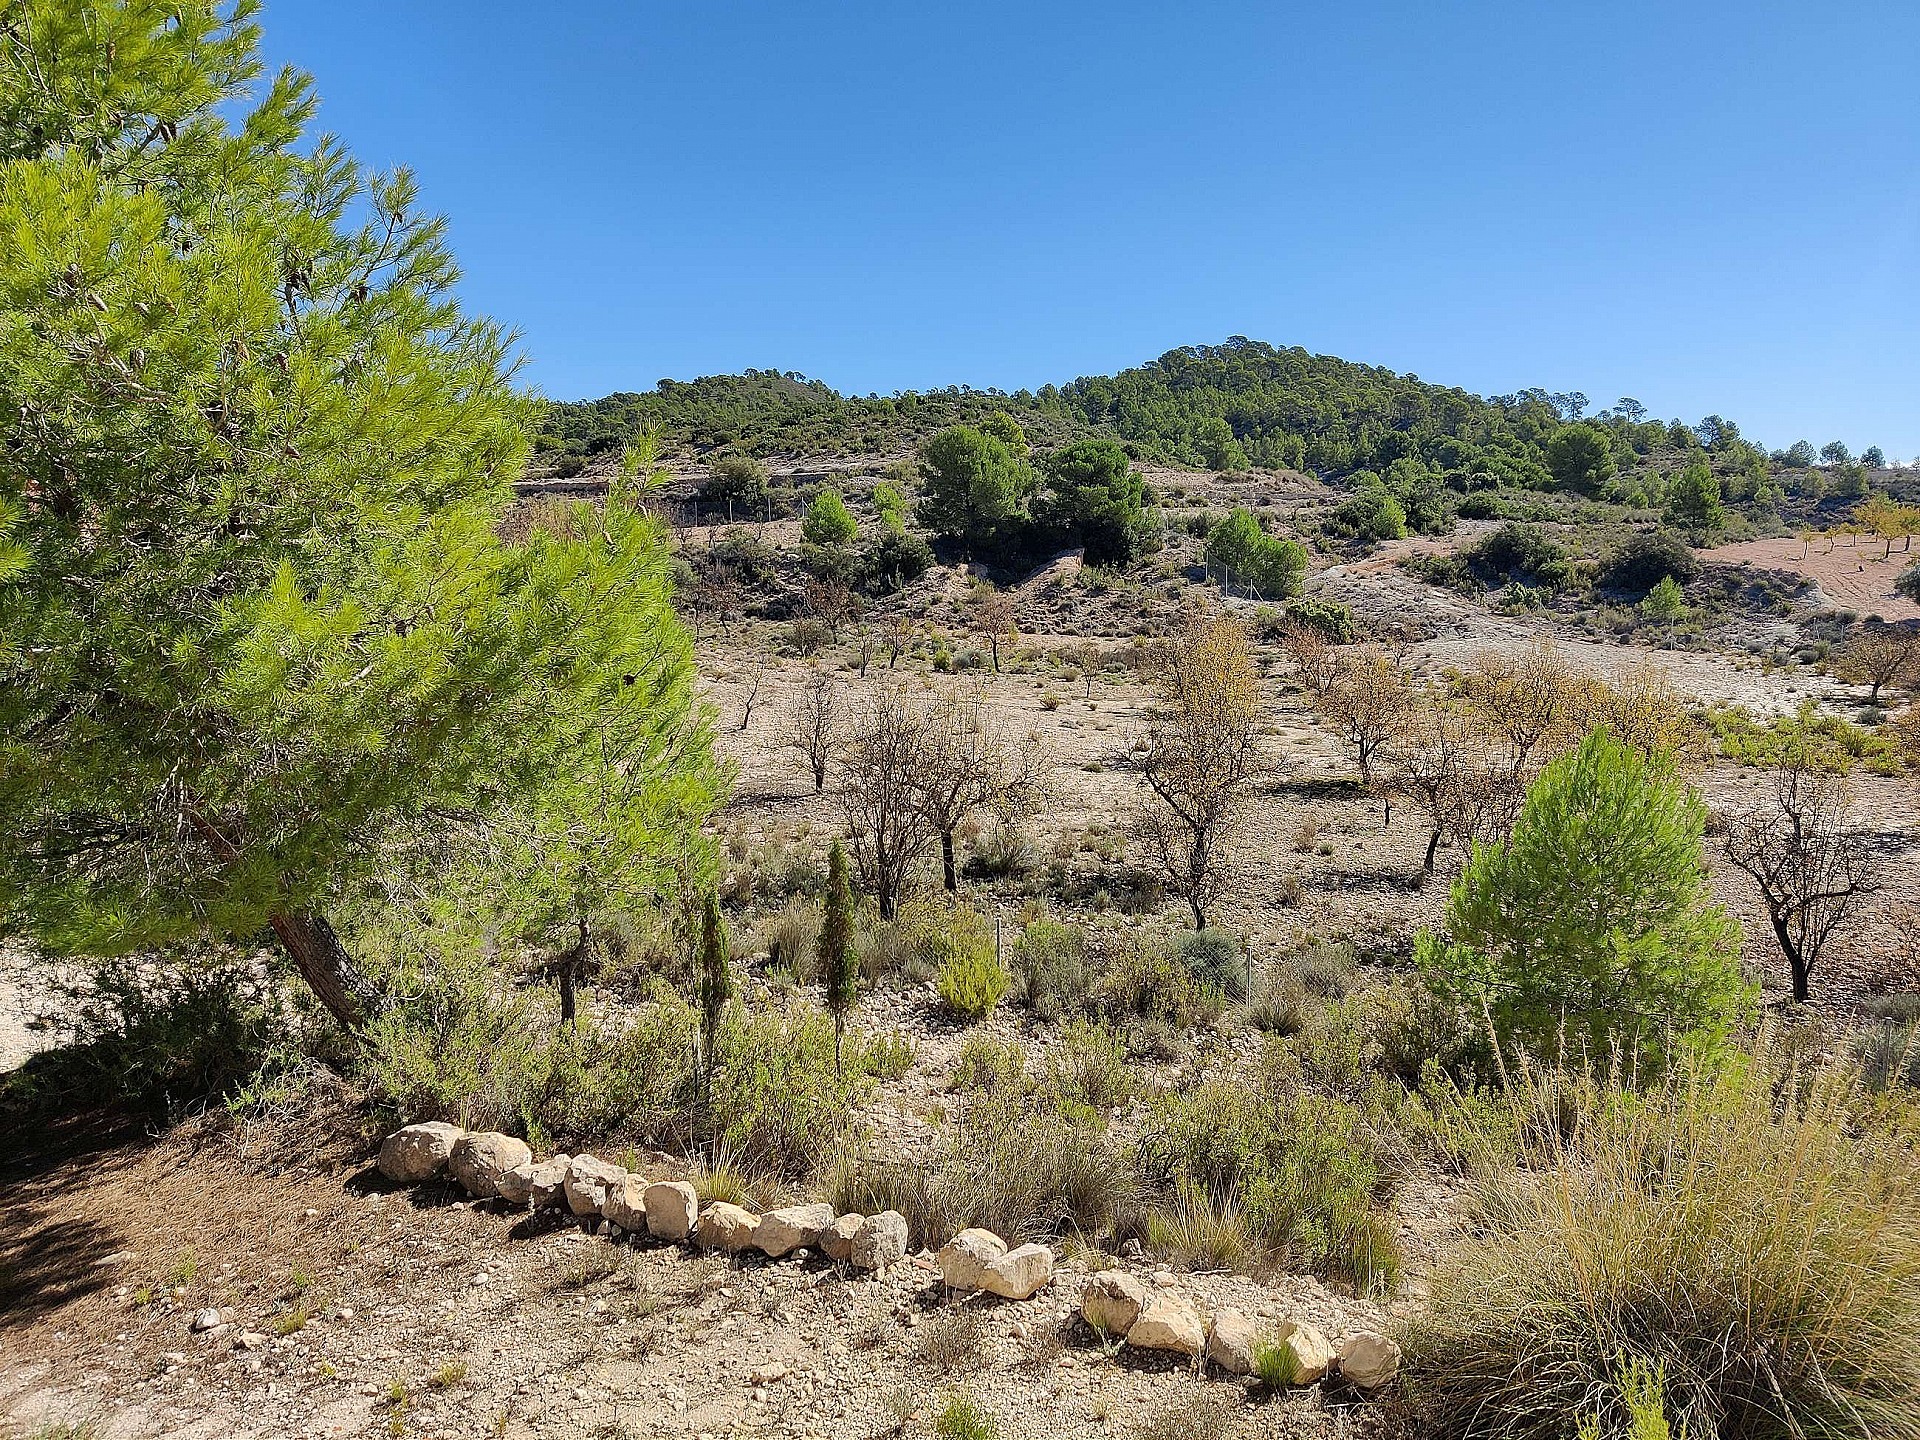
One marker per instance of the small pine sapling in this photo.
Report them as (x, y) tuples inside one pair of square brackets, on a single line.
[(837, 960)]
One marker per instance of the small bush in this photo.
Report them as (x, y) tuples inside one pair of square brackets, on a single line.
[(1889, 1055), (986, 1063), (1088, 1068), (971, 979), (1023, 1174), (1050, 968), (791, 939), (1299, 1169), (165, 1035), (1644, 559), (1145, 983), (1275, 1365), (1214, 959), (964, 1418)]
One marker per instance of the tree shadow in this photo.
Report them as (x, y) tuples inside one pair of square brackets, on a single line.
[(50, 1256)]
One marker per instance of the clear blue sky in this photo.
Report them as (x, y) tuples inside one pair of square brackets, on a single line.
[(1710, 205)]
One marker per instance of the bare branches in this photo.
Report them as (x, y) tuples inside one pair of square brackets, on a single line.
[(883, 765), (814, 722), (1366, 703), (1813, 869), (1200, 754)]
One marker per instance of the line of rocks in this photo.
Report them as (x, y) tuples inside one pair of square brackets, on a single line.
[(489, 1165), (1115, 1303), (1120, 1306)]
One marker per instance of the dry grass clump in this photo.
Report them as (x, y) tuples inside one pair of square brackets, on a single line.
[(1739, 1243), (1021, 1172)]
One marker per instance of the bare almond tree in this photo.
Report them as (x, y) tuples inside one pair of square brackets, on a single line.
[(1316, 660), (1200, 754), (1879, 655), (978, 762), (1436, 766), (829, 602), (992, 616), (882, 765), (1366, 704), (1813, 868), (814, 723), (1089, 657), (899, 635)]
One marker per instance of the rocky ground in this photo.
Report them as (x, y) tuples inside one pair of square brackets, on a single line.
[(343, 1306)]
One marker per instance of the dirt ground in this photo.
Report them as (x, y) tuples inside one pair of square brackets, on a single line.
[(1852, 577), (375, 1312)]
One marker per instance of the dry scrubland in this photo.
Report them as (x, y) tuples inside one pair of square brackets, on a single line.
[(1243, 1119)]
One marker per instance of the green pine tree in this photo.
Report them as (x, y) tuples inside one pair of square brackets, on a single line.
[(837, 960), (1594, 920), (266, 641)]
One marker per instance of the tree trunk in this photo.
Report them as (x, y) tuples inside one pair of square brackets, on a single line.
[(948, 872), (1433, 844), (324, 964), (568, 1005), (1796, 961)]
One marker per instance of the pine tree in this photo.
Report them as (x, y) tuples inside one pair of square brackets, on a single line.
[(265, 638), (837, 960), (716, 982)]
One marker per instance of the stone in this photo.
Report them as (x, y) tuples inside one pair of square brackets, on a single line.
[(536, 1184), (625, 1207), (1369, 1359), (792, 1227), (964, 1259), (672, 1206), (1230, 1342), (1112, 1301), (207, 1319), (836, 1241), (480, 1158), (251, 1340), (1312, 1352), (1170, 1322), (589, 1181), (881, 1241), (1020, 1272), (726, 1227), (417, 1152)]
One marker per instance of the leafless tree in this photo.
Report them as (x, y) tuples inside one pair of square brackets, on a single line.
[(814, 722), (1879, 655), (1813, 868), (1316, 661), (1366, 704), (1200, 754), (1436, 766), (753, 695), (900, 632), (1089, 657), (881, 788), (992, 615), (829, 602), (978, 763)]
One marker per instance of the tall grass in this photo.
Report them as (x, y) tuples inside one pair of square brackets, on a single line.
[(1736, 1231)]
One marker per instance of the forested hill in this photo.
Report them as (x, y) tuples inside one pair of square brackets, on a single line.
[(1227, 406)]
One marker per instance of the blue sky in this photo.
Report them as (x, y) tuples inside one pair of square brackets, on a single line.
[(1709, 206)]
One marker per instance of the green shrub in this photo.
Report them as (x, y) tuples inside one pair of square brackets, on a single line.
[(1275, 1365), (780, 1103), (1214, 959), (1024, 1174), (1143, 982), (1734, 1230), (1050, 968), (1333, 620), (964, 1418), (1644, 559), (987, 1063), (1300, 1169), (1594, 921), (1889, 1055), (971, 979), (891, 561), (1088, 1068), (1269, 564), (828, 522)]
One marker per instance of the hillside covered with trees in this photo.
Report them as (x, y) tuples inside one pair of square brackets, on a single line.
[(1237, 405)]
